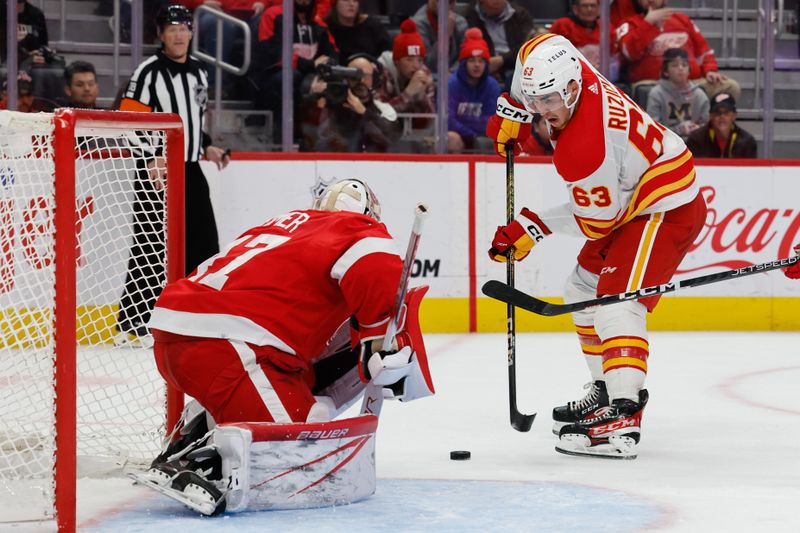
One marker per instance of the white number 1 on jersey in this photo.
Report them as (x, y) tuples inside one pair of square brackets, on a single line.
[(217, 279)]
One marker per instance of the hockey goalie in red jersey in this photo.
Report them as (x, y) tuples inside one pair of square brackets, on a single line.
[(282, 329), (633, 195)]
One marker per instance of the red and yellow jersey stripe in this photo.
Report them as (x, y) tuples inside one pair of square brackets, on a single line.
[(663, 179)]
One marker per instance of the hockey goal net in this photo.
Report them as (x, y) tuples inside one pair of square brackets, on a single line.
[(87, 236)]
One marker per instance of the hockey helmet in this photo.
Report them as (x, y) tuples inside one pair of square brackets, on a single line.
[(546, 74), (349, 195), (174, 14)]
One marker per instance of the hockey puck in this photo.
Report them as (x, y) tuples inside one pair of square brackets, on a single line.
[(460, 455)]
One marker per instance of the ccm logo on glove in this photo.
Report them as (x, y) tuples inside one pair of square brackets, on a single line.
[(520, 236), (511, 124)]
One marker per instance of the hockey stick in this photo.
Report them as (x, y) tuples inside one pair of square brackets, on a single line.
[(519, 421), (508, 294), (373, 394)]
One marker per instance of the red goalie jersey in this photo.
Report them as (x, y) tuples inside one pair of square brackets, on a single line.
[(256, 291)]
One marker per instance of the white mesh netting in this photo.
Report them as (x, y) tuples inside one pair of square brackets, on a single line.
[(120, 269)]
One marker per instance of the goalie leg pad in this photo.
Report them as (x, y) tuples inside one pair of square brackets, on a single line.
[(297, 465)]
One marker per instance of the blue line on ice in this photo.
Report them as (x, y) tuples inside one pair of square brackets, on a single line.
[(422, 505)]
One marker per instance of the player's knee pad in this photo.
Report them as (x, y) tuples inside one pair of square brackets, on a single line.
[(581, 285), (289, 466), (624, 319)]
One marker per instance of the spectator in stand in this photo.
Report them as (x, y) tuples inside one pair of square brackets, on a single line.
[(407, 83), (80, 85), (644, 38), (677, 102), (321, 11), (428, 27), (26, 102), (722, 137), (31, 34), (538, 143), (313, 45), (506, 26), (355, 32), (353, 122), (472, 94), (622, 9), (582, 29)]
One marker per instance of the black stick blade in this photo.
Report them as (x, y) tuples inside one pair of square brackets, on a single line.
[(522, 422), (502, 292)]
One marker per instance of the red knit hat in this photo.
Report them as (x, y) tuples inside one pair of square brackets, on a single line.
[(408, 42), (474, 45)]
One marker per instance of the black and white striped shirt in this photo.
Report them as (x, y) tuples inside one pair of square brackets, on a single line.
[(160, 84)]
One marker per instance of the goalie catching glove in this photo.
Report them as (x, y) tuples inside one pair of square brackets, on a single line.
[(793, 272), (511, 124), (520, 236), (402, 370)]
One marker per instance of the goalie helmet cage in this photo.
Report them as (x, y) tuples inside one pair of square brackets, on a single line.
[(81, 225)]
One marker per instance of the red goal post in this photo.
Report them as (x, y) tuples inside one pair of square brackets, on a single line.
[(72, 211)]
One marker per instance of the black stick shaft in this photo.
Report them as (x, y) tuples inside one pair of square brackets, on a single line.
[(519, 421), (508, 294)]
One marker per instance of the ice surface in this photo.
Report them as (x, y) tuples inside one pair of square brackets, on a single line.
[(720, 449)]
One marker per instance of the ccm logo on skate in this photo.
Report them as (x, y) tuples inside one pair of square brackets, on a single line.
[(327, 434), (614, 426)]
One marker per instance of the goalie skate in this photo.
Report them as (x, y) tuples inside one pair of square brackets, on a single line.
[(613, 432), (576, 411), (186, 487)]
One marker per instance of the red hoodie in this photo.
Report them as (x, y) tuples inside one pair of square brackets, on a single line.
[(644, 44)]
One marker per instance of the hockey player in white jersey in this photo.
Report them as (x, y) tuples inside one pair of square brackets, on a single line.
[(632, 195)]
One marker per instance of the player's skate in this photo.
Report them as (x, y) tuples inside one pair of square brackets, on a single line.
[(189, 469), (576, 411), (193, 479), (612, 432), (181, 481)]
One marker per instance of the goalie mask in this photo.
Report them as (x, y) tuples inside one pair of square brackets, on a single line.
[(349, 195), (546, 75)]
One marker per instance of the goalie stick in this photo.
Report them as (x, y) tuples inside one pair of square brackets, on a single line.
[(373, 394), (508, 294)]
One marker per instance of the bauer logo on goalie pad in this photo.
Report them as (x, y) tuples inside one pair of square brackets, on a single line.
[(329, 434)]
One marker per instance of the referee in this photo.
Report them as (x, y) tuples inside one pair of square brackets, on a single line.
[(170, 81)]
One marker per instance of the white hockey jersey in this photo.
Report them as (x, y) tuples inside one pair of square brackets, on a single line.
[(617, 162)]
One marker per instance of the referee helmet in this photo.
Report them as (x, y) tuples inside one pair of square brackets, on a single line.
[(174, 14)]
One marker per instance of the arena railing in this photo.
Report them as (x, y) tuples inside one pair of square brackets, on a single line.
[(216, 61)]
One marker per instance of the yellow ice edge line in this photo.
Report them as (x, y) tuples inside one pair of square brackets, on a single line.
[(451, 315), (30, 327), (24, 327)]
